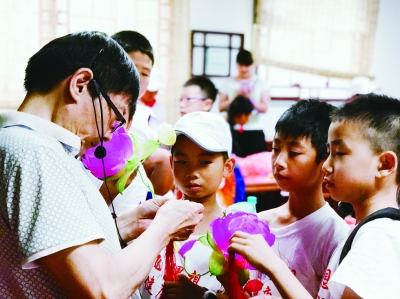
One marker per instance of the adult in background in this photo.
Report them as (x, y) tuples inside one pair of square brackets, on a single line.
[(57, 237), (247, 84)]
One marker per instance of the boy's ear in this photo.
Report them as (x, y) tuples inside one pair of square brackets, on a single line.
[(207, 104), (170, 160), (79, 83), (228, 167), (388, 164)]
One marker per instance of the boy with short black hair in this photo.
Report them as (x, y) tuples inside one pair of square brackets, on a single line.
[(362, 168), (307, 229), (140, 51), (200, 159), (198, 94)]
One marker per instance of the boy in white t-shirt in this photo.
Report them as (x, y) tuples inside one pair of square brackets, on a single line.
[(362, 168), (200, 159), (307, 229)]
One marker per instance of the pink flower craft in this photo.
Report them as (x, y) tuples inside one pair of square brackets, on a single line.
[(222, 230), (125, 154), (119, 150), (218, 236)]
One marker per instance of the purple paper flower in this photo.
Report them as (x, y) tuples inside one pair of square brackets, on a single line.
[(222, 230), (119, 150), (186, 247)]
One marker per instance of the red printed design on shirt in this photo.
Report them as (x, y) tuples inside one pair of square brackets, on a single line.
[(325, 281), (194, 278), (320, 297), (293, 271), (157, 264), (267, 291), (148, 284), (178, 269)]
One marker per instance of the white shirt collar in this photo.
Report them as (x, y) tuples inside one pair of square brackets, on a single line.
[(15, 118)]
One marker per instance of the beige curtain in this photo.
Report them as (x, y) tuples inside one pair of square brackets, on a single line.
[(333, 38)]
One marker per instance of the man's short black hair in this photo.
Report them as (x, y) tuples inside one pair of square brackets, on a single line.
[(111, 66), (207, 87), (378, 117), (244, 57), (307, 119), (133, 41)]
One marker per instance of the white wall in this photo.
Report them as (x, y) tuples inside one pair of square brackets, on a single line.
[(235, 16), (386, 56), (223, 15)]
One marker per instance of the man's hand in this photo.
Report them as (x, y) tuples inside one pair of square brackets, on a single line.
[(183, 288), (178, 218), (133, 223)]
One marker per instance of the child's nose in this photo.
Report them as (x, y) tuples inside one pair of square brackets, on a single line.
[(326, 167), (191, 172), (280, 160)]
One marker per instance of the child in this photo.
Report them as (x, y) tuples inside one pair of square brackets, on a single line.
[(362, 168), (200, 159), (239, 113), (198, 94), (307, 229), (140, 51)]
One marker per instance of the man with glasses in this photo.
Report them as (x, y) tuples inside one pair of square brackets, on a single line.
[(57, 236)]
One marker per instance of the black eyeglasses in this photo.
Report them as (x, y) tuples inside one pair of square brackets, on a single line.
[(114, 108), (99, 91)]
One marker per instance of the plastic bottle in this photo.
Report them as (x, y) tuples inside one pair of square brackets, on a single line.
[(248, 206), (252, 200)]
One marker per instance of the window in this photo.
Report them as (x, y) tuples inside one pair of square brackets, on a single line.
[(214, 53)]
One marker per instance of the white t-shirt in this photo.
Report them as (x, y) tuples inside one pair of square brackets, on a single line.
[(140, 124), (196, 262), (47, 204), (135, 193), (372, 266), (231, 86), (306, 247)]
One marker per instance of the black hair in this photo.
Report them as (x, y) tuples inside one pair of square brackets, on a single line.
[(133, 41), (244, 57), (308, 119), (240, 105), (378, 117), (207, 87), (111, 66)]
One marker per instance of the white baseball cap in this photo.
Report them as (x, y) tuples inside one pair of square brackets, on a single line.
[(208, 130)]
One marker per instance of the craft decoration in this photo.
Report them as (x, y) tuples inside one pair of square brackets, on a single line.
[(125, 154), (218, 237)]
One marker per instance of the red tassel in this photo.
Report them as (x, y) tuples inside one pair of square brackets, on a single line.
[(235, 289), (170, 266)]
